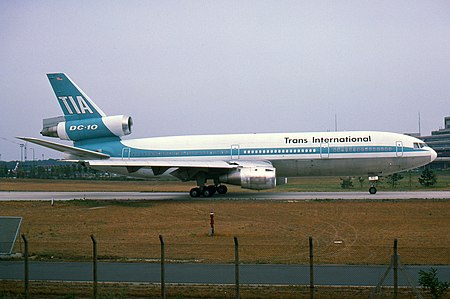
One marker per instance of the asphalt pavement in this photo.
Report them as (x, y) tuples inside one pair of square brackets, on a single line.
[(158, 196), (334, 275)]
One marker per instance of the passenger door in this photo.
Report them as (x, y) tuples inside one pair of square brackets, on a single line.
[(235, 152), (399, 148)]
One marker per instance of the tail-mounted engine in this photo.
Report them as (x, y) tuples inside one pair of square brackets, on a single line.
[(75, 130), (256, 178)]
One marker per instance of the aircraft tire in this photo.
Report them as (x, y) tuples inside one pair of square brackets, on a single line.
[(222, 189), (212, 188), (372, 190), (195, 192), (208, 192)]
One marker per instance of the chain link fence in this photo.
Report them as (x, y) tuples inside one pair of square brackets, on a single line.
[(222, 267)]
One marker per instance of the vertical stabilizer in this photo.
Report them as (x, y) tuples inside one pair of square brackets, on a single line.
[(75, 104)]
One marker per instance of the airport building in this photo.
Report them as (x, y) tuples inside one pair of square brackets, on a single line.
[(440, 141)]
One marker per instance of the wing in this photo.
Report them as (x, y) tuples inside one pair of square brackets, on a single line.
[(66, 149), (184, 170), (112, 162)]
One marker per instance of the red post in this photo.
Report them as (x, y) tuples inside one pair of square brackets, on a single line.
[(211, 216)]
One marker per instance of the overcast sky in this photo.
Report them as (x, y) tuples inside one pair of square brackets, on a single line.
[(209, 67)]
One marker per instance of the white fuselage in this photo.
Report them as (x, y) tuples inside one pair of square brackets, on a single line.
[(292, 154)]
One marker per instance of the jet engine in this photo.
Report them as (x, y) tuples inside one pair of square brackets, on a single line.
[(255, 178), (107, 126)]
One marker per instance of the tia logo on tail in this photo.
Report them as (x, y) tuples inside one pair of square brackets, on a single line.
[(79, 108), (83, 120)]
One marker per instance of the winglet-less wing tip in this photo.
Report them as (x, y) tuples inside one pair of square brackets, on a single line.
[(67, 149)]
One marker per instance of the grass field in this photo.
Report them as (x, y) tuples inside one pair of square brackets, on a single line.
[(68, 290), (269, 231)]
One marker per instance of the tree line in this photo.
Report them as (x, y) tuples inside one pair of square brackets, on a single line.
[(427, 178), (52, 170)]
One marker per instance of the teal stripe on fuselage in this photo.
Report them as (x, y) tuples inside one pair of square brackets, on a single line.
[(114, 148)]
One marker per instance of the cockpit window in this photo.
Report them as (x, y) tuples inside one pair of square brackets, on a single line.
[(419, 144)]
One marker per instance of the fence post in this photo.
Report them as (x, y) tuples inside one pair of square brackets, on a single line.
[(395, 258), (94, 265), (26, 270), (163, 273), (236, 267), (311, 269)]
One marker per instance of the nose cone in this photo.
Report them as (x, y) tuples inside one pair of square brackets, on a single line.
[(433, 154)]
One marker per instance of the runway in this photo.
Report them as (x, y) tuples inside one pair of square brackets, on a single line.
[(158, 196), (330, 275)]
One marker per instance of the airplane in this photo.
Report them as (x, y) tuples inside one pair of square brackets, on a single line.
[(14, 170), (253, 161)]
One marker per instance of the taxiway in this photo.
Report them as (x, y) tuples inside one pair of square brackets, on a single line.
[(156, 196)]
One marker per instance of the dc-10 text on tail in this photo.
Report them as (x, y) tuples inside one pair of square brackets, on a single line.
[(252, 161)]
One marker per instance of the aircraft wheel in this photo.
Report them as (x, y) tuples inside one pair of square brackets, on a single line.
[(212, 188), (222, 189), (372, 190), (208, 192), (195, 192)]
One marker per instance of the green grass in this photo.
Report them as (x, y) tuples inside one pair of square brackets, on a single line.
[(409, 182)]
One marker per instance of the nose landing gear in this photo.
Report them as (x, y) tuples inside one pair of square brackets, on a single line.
[(373, 183)]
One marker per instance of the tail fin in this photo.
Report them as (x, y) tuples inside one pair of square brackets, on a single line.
[(75, 104), (83, 119), (16, 168)]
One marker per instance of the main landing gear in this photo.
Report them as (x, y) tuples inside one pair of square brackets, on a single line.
[(208, 191)]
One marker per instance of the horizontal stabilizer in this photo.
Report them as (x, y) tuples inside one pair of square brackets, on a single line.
[(67, 149)]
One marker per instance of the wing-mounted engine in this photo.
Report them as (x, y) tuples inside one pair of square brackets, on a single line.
[(255, 178), (75, 130)]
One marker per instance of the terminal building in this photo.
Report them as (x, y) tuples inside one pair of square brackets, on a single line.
[(440, 141)]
